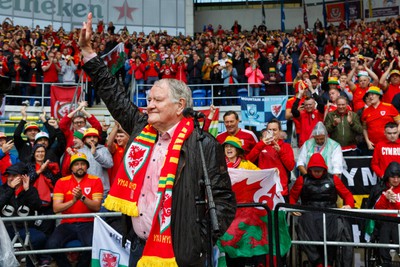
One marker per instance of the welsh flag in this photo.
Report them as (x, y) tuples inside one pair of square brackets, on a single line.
[(61, 99), (107, 250), (212, 128), (115, 59), (248, 234)]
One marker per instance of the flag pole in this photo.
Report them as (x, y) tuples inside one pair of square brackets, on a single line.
[(282, 17), (262, 12)]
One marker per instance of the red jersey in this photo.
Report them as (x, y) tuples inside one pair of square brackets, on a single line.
[(376, 118), (289, 104), (51, 75), (248, 139), (268, 157), (92, 188), (390, 93), (118, 155), (384, 153), (384, 204), (307, 124), (358, 95), (167, 72)]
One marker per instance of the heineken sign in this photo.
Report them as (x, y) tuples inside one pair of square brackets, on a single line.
[(59, 8), (137, 15)]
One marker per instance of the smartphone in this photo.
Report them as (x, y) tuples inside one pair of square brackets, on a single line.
[(107, 119), (268, 136)]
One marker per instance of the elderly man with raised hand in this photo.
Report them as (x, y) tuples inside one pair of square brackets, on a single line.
[(160, 174)]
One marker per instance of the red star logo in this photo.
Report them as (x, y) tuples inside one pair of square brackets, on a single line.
[(125, 11)]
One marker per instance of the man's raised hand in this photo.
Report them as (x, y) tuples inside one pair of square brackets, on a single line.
[(85, 37)]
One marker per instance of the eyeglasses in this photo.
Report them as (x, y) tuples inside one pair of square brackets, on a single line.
[(79, 122)]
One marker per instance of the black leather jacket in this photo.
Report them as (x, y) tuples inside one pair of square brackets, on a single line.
[(188, 222)]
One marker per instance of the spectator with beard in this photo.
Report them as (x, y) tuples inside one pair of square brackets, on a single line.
[(79, 192)]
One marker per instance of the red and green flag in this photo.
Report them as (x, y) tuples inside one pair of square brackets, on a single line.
[(115, 59), (211, 126), (248, 234)]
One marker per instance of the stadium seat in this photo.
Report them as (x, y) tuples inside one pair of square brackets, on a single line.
[(141, 102), (242, 92), (199, 97)]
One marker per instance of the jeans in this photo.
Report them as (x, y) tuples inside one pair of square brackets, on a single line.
[(83, 231), (137, 247)]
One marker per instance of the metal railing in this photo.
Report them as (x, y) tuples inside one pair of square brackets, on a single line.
[(206, 92), (354, 213), (41, 97), (138, 92), (55, 217)]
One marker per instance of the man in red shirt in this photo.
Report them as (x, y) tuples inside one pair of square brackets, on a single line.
[(78, 118), (309, 114), (167, 69), (231, 122), (73, 194), (273, 152), (375, 117), (116, 144), (289, 105), (51, 67), (386, 151), (391, 87)]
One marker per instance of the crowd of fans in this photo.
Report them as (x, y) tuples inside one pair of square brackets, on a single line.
[(259, 56), (345, 80)]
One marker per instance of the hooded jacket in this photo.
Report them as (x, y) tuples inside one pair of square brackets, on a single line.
[(383, 203), (319, 192), (188, 220)]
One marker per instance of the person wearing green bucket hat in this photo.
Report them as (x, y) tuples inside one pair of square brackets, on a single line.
[(234, 154)]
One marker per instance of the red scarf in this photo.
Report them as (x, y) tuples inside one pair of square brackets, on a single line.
[(235, 164), (125, 192)]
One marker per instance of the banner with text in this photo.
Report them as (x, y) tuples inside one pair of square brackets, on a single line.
[(257, 111), (359, 178), (380, 8)]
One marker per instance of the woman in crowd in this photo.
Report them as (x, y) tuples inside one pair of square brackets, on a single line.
[(43, 175)]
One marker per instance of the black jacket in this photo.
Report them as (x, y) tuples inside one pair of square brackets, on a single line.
[(29, 198), (188, 222)]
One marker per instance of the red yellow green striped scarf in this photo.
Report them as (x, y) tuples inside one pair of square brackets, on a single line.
[(125, 191)]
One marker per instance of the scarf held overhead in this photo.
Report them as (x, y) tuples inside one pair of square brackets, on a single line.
[(124, 194)]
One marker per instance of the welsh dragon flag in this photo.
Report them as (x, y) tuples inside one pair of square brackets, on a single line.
[(248, 234), (115, 59), (107, 250)]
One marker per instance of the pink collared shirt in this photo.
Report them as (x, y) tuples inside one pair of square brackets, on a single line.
[(148, 195)]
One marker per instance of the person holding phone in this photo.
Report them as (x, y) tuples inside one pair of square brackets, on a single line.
[(6, 157), (273, 152)]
